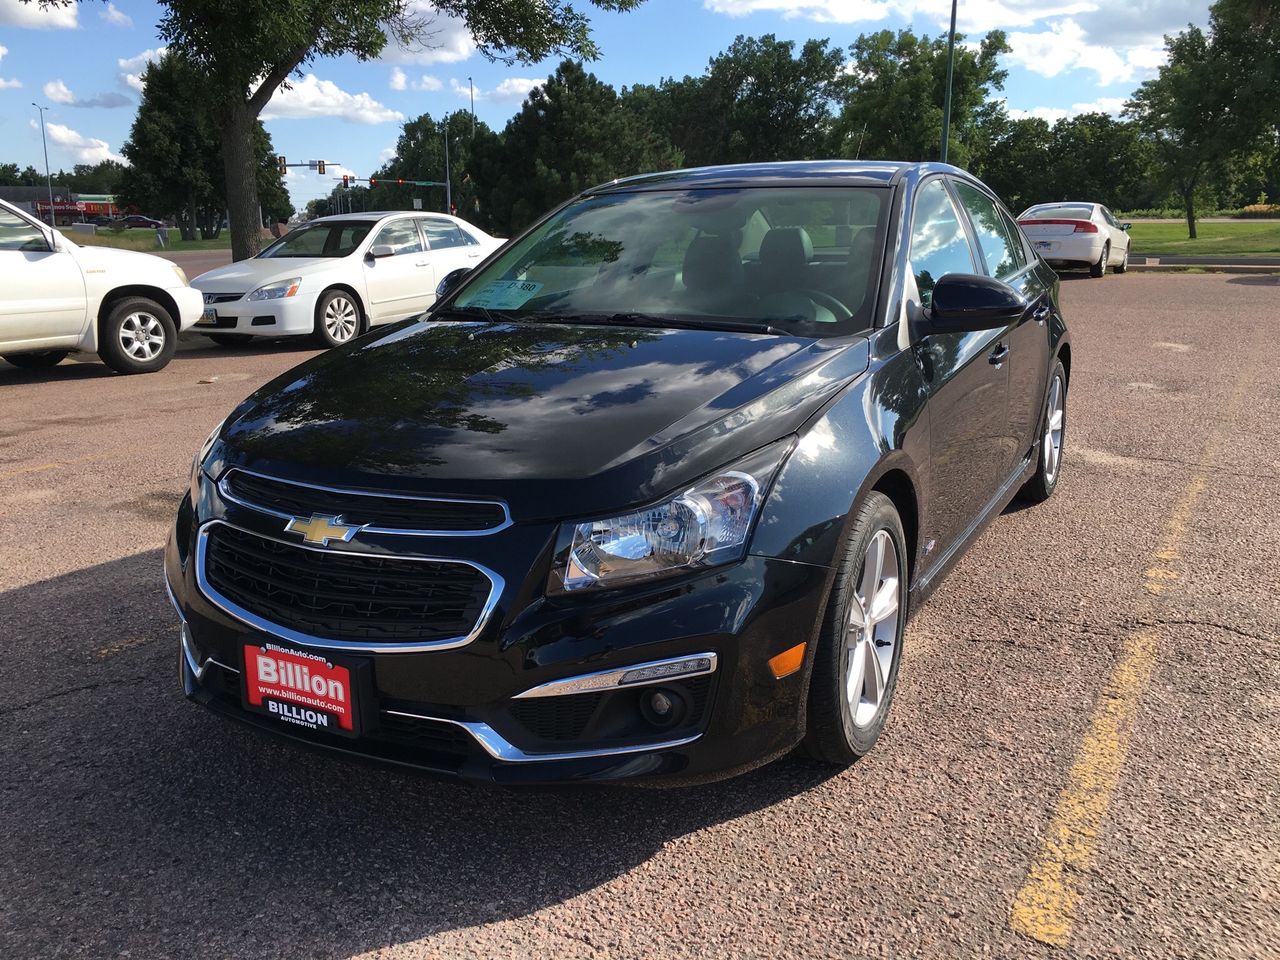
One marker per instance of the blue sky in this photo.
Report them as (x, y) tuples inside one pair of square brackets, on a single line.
[(84, 61)]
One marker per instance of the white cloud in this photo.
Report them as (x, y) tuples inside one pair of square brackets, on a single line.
[(1064, 47), (512, 89), (445, 40), (14, 13), (115, 16), (313, 98), (1111, 105), (399, 79), (427, 83), (7, 84), (132, 68), (84, 149), (386, 153), (59, 92)]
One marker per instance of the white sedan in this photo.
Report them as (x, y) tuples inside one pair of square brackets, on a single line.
[(335, 277), (1078, 235), (57, 297)]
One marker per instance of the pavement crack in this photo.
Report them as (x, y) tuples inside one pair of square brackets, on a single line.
[(1212, 624), (58, 694)]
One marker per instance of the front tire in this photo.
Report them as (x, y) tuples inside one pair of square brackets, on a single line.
[(1123, 265), (338, 318), (855, 669), (37, 361), (1100, 268), (1053, 437), (137, 336)]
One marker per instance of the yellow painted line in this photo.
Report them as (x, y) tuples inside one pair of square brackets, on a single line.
[(41, 467), (1045, 906)]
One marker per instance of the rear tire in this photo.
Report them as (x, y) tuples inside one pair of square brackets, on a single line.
[(137, 336), (37, 361), (338, 318), (231, 339), (1100, 268), (855, 668), (1053, 440)]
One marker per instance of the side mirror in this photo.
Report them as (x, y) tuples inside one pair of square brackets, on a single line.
[(965, 302), (1125, 226), (451, 281), (380, 250)]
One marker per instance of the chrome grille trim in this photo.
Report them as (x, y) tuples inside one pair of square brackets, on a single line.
[(233, 609), (224, 490)]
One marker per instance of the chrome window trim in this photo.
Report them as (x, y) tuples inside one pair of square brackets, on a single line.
[(499, 748), (612, 679), (228, 606), (226, 494)]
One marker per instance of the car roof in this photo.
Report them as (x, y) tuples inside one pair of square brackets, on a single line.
[(373, 216), (871, 173)]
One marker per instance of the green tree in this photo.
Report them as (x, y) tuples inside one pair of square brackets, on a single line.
[(570, 134), (1017, 160), (893, 104), (420, 155), (1097, 157), (10, 176), (757, 101)]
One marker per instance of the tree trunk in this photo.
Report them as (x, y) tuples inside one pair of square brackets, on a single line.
[(241, 167), (1189, 202)]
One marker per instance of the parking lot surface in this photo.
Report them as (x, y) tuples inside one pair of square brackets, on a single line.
[(1083, 760)]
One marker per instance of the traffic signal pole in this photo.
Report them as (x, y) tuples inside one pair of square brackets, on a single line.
[(946, 102)]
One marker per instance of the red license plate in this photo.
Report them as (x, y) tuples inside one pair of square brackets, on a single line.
[(303, 690)]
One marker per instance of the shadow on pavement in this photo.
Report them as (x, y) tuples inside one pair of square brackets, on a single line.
[(140, 823)]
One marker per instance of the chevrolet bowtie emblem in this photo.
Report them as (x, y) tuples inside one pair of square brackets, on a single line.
[(320, 529)]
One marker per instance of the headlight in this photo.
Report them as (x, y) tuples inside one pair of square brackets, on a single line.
[(277, 290), (197, 462), (181, 275), (706, 525)]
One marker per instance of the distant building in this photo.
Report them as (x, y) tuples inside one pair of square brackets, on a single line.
[(68, 207)]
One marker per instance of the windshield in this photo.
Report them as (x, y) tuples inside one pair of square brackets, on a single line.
[(333, 238), (1065, 211), (802, 260)]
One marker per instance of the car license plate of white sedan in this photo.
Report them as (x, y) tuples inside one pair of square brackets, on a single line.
[(1044, 244), (210, 315)]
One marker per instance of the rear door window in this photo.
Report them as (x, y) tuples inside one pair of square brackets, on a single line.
[(441, 235)]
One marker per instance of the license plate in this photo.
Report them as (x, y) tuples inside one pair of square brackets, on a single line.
[(306, 691), (1044, 244), (210, 315)]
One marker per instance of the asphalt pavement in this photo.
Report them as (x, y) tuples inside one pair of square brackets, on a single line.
[(1082, 760)]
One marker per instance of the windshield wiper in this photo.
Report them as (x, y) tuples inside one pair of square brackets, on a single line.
[(635, 319), (466, 313)]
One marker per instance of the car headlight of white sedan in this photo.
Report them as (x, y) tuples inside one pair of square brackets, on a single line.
[(276, 290)]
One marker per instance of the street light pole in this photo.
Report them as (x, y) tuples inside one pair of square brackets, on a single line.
[(472, 86), (48, 180), (946, 103), (448, 181)]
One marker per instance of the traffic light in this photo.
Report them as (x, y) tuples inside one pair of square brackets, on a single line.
[(282, 164), (373, 182), (346, 182), (320, 168)]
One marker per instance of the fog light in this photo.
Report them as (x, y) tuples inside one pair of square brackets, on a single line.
[(671, 668), (663, 708)]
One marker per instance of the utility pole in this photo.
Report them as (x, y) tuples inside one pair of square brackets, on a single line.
[(946, 103), (48, 180), (472, 87), (448, 181)]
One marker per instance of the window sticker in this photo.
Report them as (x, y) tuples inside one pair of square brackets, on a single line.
[(504, 294)]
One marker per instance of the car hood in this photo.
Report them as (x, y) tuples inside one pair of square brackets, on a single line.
[(536, 412), (244, 276), (111, 259)]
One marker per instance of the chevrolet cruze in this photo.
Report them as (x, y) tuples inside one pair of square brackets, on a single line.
[(649, 494)]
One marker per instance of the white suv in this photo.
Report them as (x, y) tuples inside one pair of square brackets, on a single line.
[(57, 297)]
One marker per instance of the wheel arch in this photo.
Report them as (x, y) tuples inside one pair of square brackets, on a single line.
[(896, 484), (347, 288), (116, 294), (1064, 354)]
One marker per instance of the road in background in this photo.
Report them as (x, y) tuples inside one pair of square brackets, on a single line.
[(1086, 722)]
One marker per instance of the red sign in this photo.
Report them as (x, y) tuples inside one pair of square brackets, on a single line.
[(299, 688)]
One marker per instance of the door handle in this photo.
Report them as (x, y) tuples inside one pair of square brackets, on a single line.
[(1041, 314), (422, 263), (473, 256), (999, 355)]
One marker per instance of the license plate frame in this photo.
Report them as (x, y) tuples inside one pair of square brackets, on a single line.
[(298, 691), (208, 318)]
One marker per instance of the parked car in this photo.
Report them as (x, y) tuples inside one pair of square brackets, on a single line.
[(101, 220), (649, 495), (138, 220), (1076, 235), (337, 276), (58, 297)]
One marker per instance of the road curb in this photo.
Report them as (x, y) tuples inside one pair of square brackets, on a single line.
[(1204, 268)]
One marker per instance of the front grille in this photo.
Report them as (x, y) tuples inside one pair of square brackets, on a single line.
[(222, 297), (361, 509), (344, 596)]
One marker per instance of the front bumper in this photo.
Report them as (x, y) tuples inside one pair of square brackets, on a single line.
[(457, 711), (267, 318), (190, 306)]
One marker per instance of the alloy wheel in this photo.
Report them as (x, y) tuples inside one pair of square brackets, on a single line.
[(1055, 419), (341, 319), (874, 611), (141, 336)]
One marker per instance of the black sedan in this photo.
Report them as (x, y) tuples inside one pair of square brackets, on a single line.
[(648, 494)]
